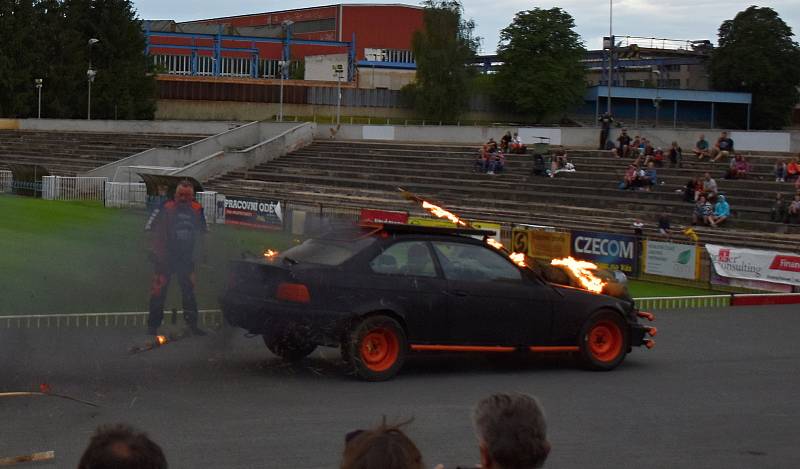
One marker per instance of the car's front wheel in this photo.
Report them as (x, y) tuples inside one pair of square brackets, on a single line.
[(604, 341), (377, 348), (290, 346)]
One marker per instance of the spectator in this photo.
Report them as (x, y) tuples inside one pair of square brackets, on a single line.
[(778, 211), (650, 177), (624, 144), (512, 433), (648, 148), (780, 171), (722, 210), (723, 148), (675, 155), (539, 164), (605, 128), (121, 447), (559, 162), (664, 225), (656, 156), (793, 214), (631, 179), (496, 162), (385, 447), (709, 185), (635, 144), (702, 210), (505, 142), (792, 170), (479, 165), (516, 145), (156, 201), (739, 168), (701, 148), (689, 190)]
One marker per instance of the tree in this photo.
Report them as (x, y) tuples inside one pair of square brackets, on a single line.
[(443, 49), (756, 54), (541, 74)]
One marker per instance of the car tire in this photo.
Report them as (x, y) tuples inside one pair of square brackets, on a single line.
[(604, 341), (289, 346), (377, 348)]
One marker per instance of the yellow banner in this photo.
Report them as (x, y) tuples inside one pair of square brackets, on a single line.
[(546, 244)]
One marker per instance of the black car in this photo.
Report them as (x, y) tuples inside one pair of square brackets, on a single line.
[(382, 292)]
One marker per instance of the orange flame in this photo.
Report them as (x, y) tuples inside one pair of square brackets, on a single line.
[(442, 213), (583, 272), (270, 254), (161, 339), (517, 257)]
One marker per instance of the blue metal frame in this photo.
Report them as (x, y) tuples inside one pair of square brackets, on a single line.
[(217, 48)]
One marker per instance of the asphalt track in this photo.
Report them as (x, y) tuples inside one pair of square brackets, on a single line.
[(718, 391)]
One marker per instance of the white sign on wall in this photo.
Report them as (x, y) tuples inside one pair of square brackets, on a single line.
[(378, 132), (671, 260), (759, 141)]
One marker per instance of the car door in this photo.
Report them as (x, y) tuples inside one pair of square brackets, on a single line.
[(404, 277), (490, 302)]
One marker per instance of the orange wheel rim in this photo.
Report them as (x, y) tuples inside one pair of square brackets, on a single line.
[(379, 349), (605, 341)]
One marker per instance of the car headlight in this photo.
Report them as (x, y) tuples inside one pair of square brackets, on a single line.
[(620, 277)]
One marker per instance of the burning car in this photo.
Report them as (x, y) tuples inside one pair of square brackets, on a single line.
[(380, 293)]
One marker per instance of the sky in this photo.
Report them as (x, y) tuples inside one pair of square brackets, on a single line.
[(673, 19)]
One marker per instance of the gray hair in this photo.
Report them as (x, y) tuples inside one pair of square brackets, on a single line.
[(512, 428)]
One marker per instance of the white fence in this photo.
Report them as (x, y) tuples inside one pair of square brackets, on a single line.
[(73, 188), (6, 178), (124, 194)]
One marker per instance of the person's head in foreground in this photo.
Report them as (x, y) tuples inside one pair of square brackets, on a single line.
[(511, 431), (384, 447), (121, 447)]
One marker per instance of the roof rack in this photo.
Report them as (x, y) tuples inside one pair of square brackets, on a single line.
[(422, 229)]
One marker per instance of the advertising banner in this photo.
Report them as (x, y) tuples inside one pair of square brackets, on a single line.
[(253, 213), (540, 244), (753, 264), (671, 260), (383, 216), (608, 251), (751, 284)]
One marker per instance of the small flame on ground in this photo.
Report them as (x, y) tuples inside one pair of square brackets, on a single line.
[(437, 211), (583, 272), (161, 339), (270, 254)]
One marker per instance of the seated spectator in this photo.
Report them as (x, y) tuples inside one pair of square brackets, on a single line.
[(656, 157), (793, 214), (635, 144), (121, 447), (496, 163), (648, 148), (722, 210), (489, 147), (664, 225), (778, 211), (505, 142), (512, 433), (675, 155), (723, 148), (623, 148), (700, 149), (739, 168), (792, 170), (479, 165), (558, 162), (709, 185), (516, 145), (650, 177), (539, 164), (689, 190), (385, 447), (631, 178), (702, 210), (779, 169)]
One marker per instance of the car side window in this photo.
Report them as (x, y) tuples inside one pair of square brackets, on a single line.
[(405, 258), (474, 263)]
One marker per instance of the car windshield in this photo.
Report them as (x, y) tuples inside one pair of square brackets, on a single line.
[(325, 251)]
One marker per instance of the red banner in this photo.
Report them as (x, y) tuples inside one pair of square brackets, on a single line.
[(383, 216)]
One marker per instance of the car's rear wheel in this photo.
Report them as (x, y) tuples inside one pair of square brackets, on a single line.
[(377, 348), (289, 345), (604, 341)]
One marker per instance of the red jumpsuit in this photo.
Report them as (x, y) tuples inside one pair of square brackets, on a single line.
[(175, 226)]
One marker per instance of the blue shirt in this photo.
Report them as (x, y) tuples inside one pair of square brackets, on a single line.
[(722, 209)]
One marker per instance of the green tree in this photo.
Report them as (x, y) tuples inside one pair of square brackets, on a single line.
[(756, 54), (443, 49), (541, 75)]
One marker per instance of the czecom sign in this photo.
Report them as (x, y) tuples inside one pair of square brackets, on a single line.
[(608, 251)]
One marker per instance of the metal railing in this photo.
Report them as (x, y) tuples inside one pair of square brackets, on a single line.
[(73, 188)]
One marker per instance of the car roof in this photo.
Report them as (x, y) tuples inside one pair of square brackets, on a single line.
[(396, 228)]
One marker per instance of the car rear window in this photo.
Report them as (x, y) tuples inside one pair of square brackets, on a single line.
[(326, 251)]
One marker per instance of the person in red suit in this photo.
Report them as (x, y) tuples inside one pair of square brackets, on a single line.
[(174, 228)]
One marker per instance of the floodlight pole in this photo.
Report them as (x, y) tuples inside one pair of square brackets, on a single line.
[(39, 82), (281, 65), (610, 52), (90, 74), (338, 70)]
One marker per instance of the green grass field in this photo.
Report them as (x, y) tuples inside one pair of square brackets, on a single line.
[(61, 257)]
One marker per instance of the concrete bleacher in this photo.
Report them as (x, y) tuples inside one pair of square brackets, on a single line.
[(367, 174), (72, 153)]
